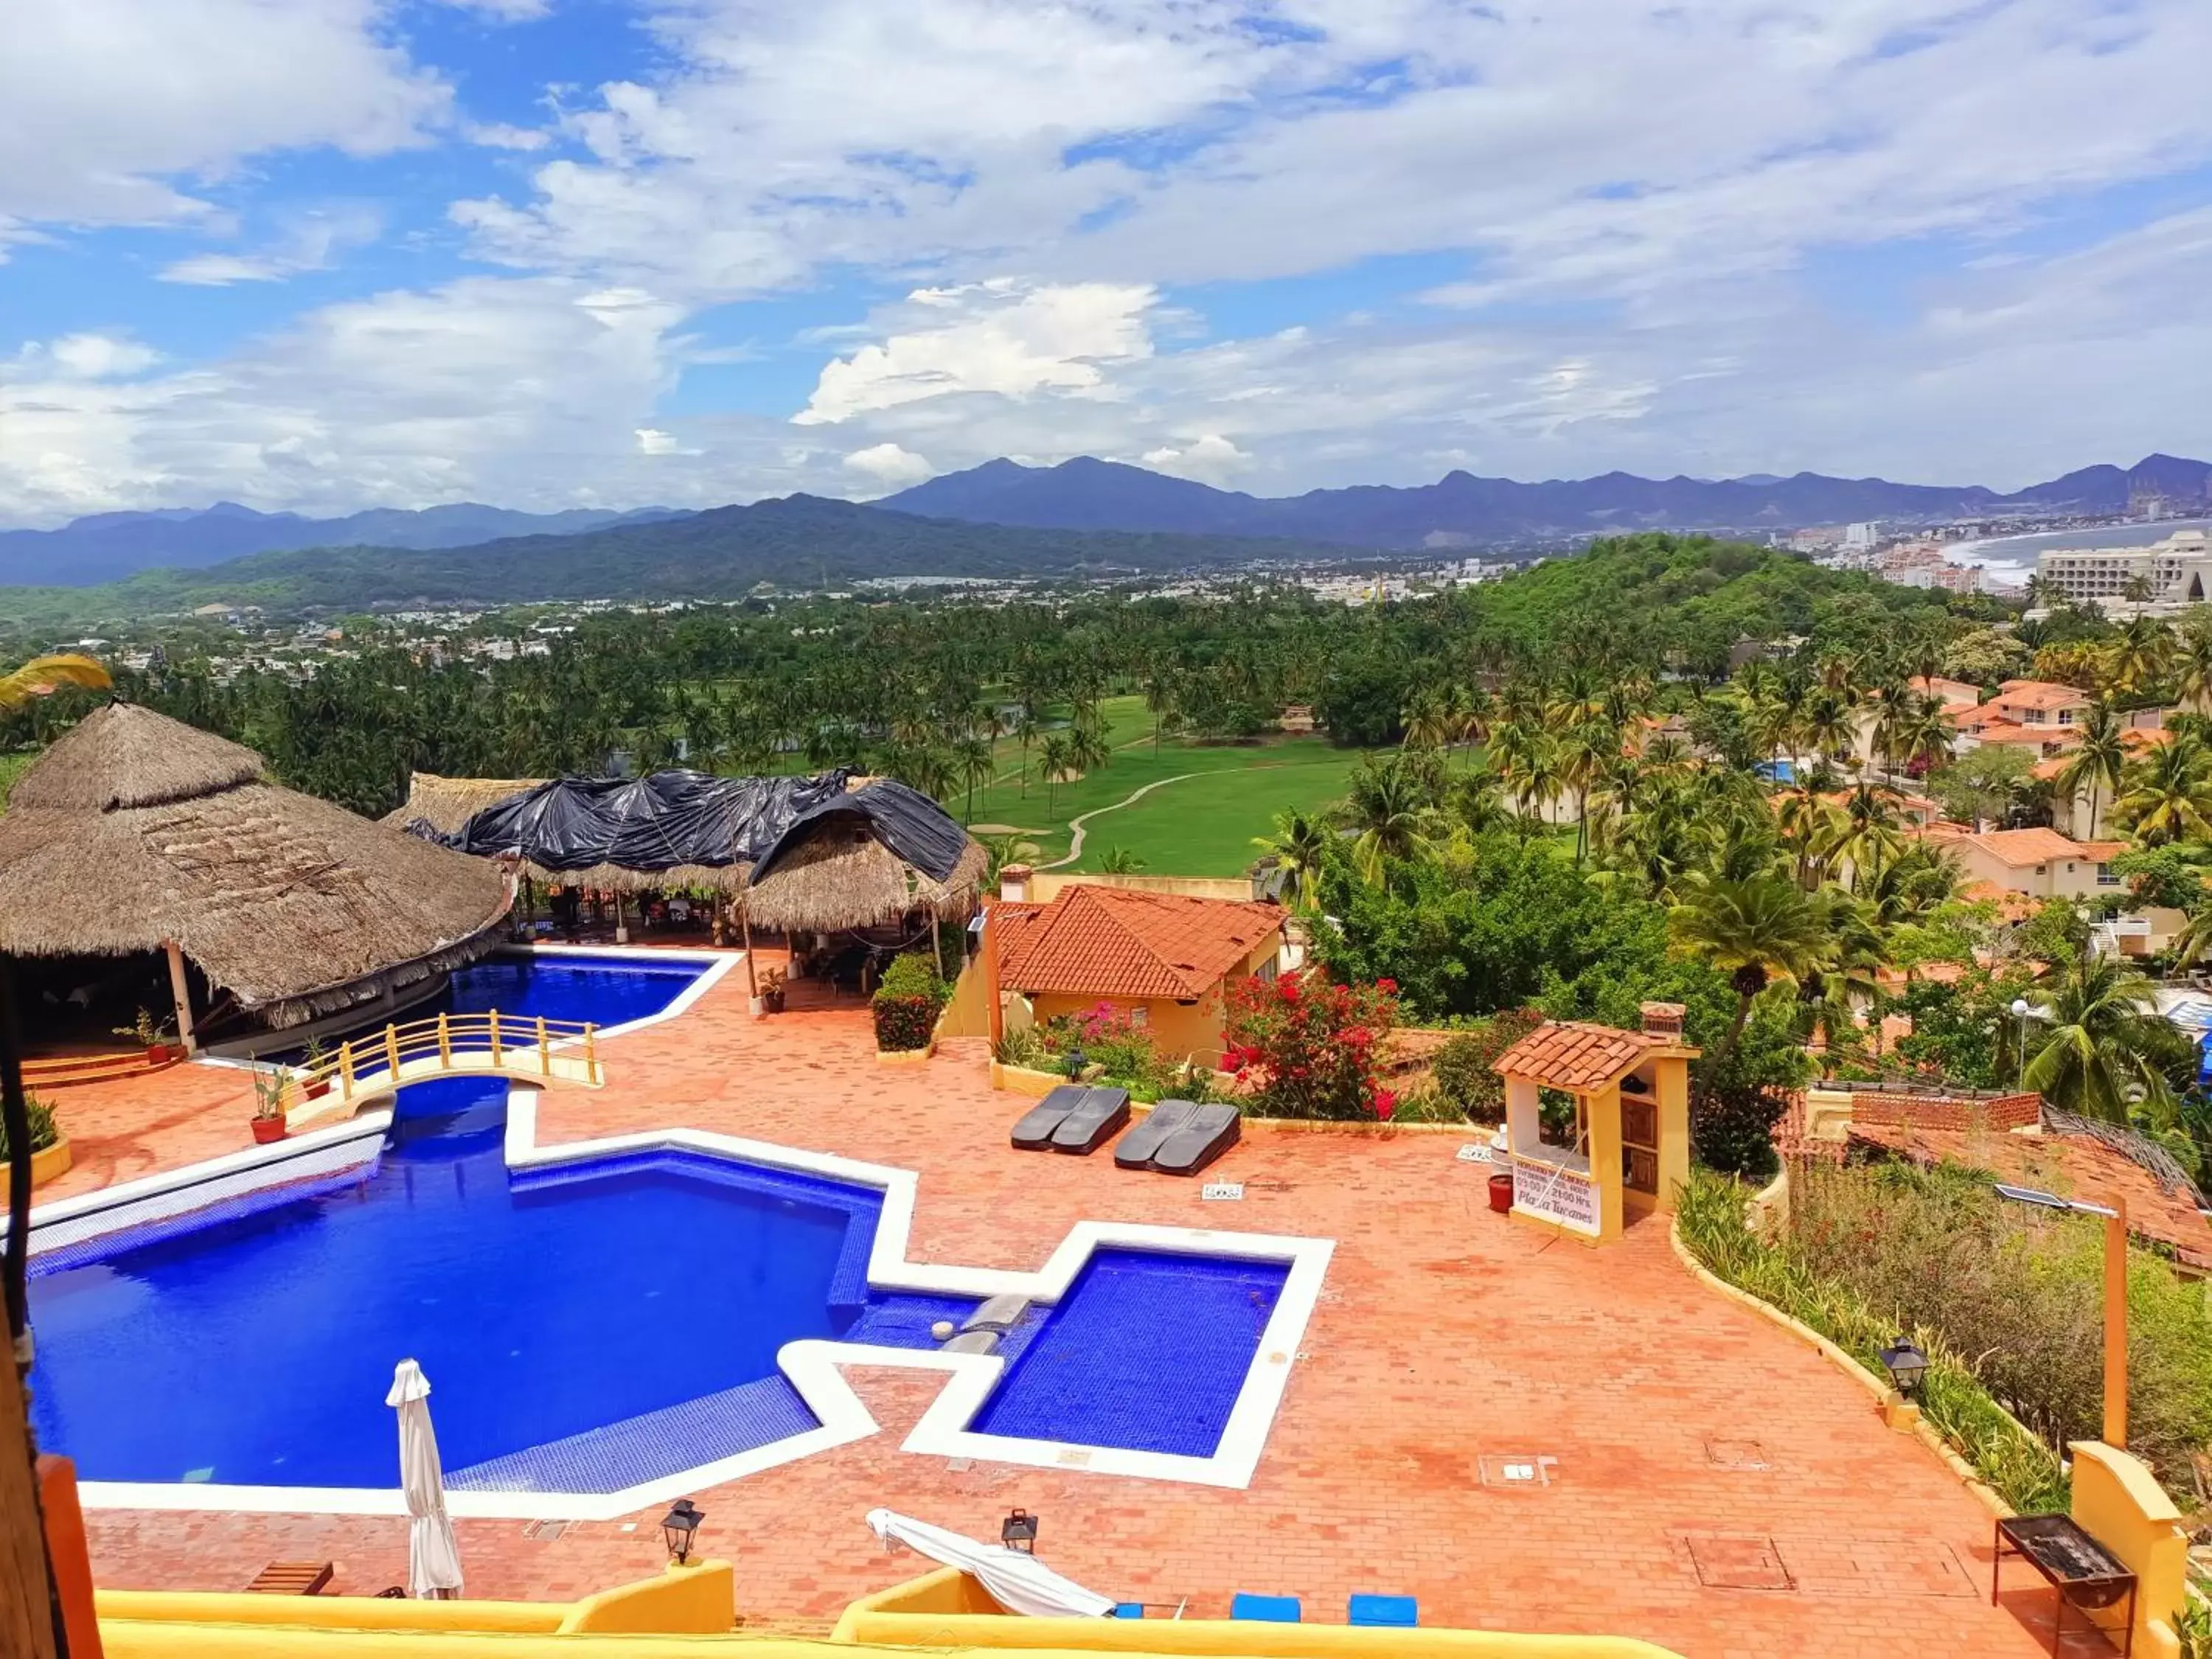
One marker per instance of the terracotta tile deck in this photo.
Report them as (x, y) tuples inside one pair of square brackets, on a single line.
[(1716, 1487)]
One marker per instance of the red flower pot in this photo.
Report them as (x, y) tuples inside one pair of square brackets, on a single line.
[(1501, 1192), (268, 1130), (157, 1054), (319, 1088)]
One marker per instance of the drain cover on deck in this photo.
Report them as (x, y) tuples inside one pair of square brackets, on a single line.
[(1884, 1565), (1735, 1454), (1738, 1560), (1526, 1470), (545, 1528)]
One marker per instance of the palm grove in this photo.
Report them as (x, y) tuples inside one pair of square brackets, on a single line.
[(1569, 807)]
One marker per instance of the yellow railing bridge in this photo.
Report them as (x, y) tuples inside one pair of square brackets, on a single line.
[(525, 1048)]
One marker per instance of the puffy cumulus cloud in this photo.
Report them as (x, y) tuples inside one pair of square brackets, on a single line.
[(1210, 459), (1002, 336), (529, 390), (1641, 148), (85, 357), (110, 102), (889, 465)]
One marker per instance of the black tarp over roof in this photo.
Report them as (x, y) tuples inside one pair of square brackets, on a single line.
[(658, 822), (915, 827)]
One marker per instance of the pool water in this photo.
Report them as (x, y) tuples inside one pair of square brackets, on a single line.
[(585, 1327), (257, 1349)]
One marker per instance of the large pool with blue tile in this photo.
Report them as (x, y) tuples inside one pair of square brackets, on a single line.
[(586, 1327)]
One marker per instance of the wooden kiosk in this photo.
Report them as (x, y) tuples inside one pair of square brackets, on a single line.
[(1598, 1122)]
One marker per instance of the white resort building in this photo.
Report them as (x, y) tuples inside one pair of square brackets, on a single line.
[(2174, 574)]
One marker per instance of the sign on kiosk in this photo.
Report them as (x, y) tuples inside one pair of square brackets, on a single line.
[(1556, 1195)]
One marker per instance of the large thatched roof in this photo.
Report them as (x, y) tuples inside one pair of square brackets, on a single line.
[(134, 830), (446, 804), (834, 874)]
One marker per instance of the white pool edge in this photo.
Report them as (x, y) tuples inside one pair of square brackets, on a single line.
[(813, 1366)]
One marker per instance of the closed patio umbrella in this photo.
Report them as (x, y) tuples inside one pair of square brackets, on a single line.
[(1017, 1580), (434, 1559)]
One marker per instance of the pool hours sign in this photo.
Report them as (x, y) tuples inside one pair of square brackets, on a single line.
[(1557, 1196)]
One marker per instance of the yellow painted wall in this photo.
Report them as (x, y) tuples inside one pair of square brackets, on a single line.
[(1046, 885), (969, 1013), (1181, 1033), (2118, 1503), (686, 1614)]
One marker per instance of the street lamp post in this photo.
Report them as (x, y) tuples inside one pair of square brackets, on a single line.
[(2019, 1020)]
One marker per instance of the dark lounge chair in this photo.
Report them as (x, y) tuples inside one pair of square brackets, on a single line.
[(1096, 1119), (1138, 1146), (1033, 1131), (1210, 1130)]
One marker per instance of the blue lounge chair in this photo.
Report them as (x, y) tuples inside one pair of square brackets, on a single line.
[(1398, 1612), (1267, 1609)]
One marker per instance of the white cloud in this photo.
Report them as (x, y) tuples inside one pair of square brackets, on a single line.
[(1005, 337), (1210, 459), (311, 240), (86, 357), (656, 441), (110, 103), (501, 135), (889, 466)]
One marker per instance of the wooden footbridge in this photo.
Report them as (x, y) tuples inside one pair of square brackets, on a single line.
[(524, 1048)]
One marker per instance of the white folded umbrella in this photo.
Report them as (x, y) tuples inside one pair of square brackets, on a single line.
[(1017, 1580), (434, 1559)]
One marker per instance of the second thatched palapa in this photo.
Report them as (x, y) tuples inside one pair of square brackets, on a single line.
[(136, 832)]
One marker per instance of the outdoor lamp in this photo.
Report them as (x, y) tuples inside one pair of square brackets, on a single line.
[(1019, 1532), (1905, 1362), (1076, 1060), (677, 1526)]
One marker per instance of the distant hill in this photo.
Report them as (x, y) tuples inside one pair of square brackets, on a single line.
[(1462, 509), (798, 541), (110, 545)]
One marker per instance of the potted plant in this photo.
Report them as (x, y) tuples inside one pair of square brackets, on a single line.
[(771, 991), (151, 1035), (313, 1060), (270, 1088)]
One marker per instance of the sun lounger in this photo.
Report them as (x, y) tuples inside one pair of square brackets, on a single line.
[(293, 1578), (1096, 1120), (1267, 1609), (1138, 1146), (1397, 1612), (1033, 1131), (1211, 1131)]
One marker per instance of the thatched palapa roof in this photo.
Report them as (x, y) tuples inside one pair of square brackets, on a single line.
[(134, 830), (822, 855)]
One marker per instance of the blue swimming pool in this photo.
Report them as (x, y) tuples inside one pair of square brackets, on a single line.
[(586, 1327)]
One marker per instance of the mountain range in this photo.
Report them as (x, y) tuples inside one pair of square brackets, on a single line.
[(457, 550), (108, 546), (793, 542), (1461, 510)]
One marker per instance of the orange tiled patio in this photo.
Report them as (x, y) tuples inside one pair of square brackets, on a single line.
[(1713, 1484)]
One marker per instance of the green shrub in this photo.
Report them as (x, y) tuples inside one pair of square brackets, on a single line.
[(907, 1002), (45, 1132), (2022, 1469), (1465, 1065), (1430, 1104)]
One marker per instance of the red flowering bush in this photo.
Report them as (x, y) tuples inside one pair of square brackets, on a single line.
[(1310, 1046)]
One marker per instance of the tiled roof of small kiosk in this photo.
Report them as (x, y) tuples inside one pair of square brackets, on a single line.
[(1566, 1054)]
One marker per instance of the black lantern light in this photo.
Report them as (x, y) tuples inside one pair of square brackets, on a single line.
[(677, 1526), (1905, 1364), (1019, 1532), (1076, 1060)]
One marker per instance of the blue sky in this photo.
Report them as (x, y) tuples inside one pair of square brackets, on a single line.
[(324, 254)]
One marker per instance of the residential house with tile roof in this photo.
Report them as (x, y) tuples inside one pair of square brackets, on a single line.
[(1166, 959)]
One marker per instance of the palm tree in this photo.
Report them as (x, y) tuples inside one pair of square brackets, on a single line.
[(973, 763), (1583, 753), (2097, 759), (1427, 721), (1299, 847), (1055, 757), (2193, 663), (1755, 932), (2169, 794), (1119, 862), (1867, 832), (2141, 653), (1393, 814), (2104, 1032)]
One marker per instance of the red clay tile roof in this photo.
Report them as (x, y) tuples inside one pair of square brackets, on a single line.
[(2041, 693), (2022, 848), (1118, 942), (2074, 1166), (1567, 1054)]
